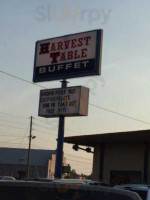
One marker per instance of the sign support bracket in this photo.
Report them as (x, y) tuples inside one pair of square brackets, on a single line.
[(60, 140)]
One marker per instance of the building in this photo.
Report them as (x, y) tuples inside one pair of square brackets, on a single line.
[(122, 157), (13, 162)]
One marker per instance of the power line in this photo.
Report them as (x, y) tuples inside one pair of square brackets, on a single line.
[(41, 131), (17, 143), (46, 128), (70, 130), (48, 141), (53, 128), (11, 140), (123, 115), (12, 143), (21, 79), (14, 115), (52, 123), (9, 136), (23, 146), (78, 157), (37, 146), (13, 127), (12, 133), (43, 121), (13, 122), (79, 161), (43, 126), (108, 110), (26, 132)]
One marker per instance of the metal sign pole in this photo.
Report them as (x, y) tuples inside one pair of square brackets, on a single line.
[(59, 155)]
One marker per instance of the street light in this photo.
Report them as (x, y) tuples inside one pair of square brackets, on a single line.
[(76, 148)]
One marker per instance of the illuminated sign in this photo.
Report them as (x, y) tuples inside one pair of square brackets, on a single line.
[(70, 101), (68, 56)]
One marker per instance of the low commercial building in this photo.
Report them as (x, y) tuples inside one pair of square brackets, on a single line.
[(122, 157), (13, 162)]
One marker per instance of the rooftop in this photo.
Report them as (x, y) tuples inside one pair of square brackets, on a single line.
[(19, 156), (138, 136)]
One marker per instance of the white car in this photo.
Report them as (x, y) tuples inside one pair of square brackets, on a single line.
[(76, 181), (142, 190), (7, 178)]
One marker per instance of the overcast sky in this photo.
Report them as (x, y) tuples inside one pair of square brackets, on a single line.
[(123, 87)]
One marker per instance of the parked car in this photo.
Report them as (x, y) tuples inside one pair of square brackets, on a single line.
[(81, 181), (7, 178), (141, 189), (38, 179), (76, 181), (37, 190)]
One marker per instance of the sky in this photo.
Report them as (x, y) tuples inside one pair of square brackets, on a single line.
[(122, 87)]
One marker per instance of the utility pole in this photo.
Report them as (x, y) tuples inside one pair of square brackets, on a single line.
[(29, 148)]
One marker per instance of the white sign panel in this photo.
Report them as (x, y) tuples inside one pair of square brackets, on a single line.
[(71, 101), (68, 56)]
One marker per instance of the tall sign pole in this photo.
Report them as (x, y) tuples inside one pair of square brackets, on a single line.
[(61, 58), (59, 155)]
